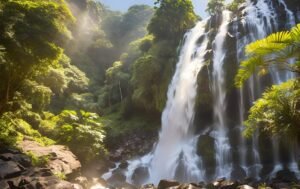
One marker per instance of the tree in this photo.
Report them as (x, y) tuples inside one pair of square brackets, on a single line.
[(278, 111), (33, 34), (171, 19), (234, 5), (215, 6)]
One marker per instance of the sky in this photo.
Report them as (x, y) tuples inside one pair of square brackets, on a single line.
[(123, 5)]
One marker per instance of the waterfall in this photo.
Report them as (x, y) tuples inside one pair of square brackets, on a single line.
[(175, 139), (174, 156), (222, 146)]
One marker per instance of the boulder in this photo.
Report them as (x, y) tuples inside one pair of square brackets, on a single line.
[(61, 159), (286, 176), (163, 184), (140, 175), (9, 169)]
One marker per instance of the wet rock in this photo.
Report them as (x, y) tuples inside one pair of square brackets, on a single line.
[(205, 149), (140, 175), (167, 183), (123, 165), (286, 176)]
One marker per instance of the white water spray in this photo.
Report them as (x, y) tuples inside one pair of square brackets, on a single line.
[(222, 146)]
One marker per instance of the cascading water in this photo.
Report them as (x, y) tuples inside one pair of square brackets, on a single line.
[(175, 155), (261, 19), (222, 146)]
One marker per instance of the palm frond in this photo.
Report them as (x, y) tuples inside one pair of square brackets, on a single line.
[(295, 33), (248, 68), (273, 42)]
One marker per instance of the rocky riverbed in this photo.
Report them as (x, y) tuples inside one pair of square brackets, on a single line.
[(62, 170)]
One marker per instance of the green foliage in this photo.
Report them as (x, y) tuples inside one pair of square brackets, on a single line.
[(278, 50), (146, 71), (60, 175), (81, 131), (171, 19), (215, 6), (41, 161), (14, 129), (8, 135), (38, 96), (234, 5), (28, 45), (122, 29), (278, 111)]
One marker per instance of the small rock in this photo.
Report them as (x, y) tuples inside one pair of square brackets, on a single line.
[(148, 186), (167, 183), (227, 184), (245, 187)]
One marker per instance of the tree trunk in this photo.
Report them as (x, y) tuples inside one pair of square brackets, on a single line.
[(121, 95)]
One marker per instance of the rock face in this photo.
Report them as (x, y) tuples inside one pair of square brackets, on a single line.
[(16, 172), (61, 159)]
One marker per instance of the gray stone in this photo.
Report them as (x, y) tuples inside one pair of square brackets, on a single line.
[(62, 160), (9, 169)]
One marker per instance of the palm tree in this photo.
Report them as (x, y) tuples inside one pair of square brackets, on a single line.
[(278, 110), (277, 49)]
